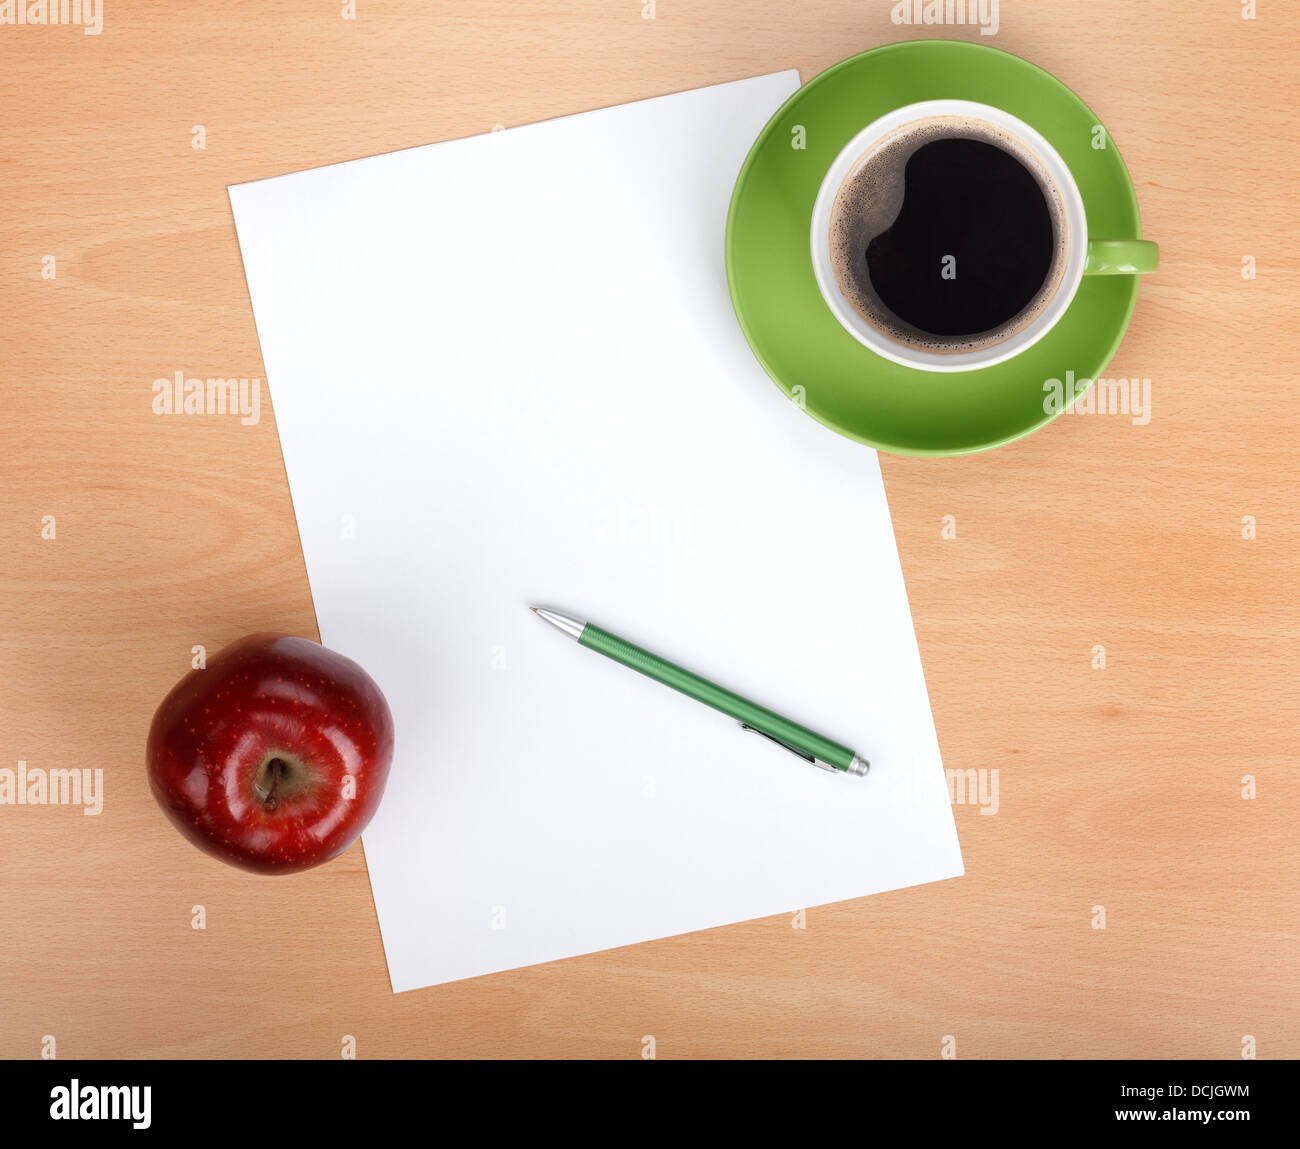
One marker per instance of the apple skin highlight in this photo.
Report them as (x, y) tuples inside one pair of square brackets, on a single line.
[(274, 758)]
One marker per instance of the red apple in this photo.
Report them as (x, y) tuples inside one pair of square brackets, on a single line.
[(275, 756)]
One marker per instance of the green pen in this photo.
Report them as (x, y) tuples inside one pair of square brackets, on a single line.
[(807, 744)]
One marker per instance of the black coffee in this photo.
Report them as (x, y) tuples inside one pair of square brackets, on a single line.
[(948, 237)]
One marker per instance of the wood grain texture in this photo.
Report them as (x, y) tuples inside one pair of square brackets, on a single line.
[(1118, 787)]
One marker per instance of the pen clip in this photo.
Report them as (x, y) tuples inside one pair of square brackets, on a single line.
[(786, 746)]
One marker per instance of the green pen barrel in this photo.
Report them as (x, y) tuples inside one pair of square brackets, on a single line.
[(797, 737)]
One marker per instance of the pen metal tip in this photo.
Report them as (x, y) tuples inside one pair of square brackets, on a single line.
[(571, 626)]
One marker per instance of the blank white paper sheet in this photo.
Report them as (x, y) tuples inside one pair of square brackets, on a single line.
[(505, 371)]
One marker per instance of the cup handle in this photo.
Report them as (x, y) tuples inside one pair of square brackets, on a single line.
[(1121, 257)]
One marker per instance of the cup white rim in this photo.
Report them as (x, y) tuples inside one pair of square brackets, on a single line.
[(1075, 221)]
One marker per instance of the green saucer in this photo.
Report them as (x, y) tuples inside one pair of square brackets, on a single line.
[(793, 333)]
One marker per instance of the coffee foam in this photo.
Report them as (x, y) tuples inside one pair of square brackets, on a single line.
[(869, 201)]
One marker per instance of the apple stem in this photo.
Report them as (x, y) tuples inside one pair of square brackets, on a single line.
[(272, 800)]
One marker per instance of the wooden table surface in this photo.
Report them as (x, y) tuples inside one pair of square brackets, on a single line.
[(1127, 787)]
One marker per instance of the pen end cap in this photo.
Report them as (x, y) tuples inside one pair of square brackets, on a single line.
[(859, 766)]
